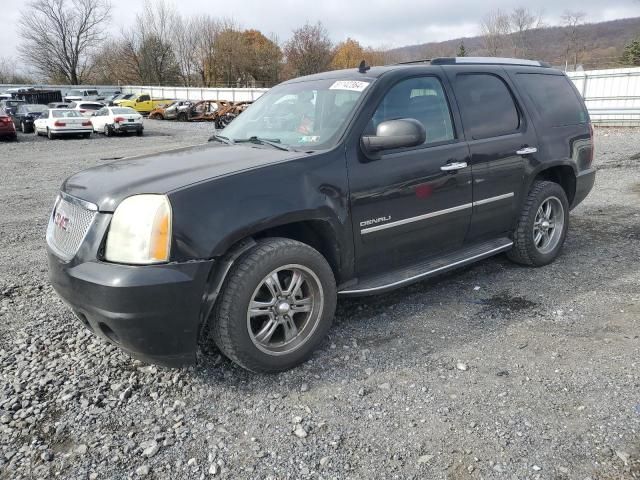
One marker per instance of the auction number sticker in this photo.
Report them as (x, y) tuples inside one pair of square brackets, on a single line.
[(353, 85)]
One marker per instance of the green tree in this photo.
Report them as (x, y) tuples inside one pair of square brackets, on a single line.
[(631, 54), (462, 52)]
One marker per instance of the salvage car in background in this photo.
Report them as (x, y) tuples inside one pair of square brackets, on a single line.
[(171, 111), (7, 128), (86, 108), (142, 103), (81, 95), (112, 120), (59, 122), (25, 115), (10, 105)]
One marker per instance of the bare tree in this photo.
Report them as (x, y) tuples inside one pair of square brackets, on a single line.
[(10, 74), (574, 42), (495, 28), (309, 50), (60, 36), (185, 44), (522, 20), (147, 48)]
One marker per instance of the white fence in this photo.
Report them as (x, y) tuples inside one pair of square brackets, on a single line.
[(195, 93), (612, 96)]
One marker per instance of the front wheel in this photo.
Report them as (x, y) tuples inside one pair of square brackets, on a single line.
[(276, 306), (542, 227)]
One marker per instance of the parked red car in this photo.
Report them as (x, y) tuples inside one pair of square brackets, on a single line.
[(7, 128)]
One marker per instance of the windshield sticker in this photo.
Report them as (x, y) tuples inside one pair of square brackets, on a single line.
[(310, 139), (353, 85)]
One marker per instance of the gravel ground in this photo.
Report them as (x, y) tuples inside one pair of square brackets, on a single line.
[(494, 371)]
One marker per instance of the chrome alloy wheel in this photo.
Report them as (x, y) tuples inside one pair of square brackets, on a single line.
[(548, 225), (285, 309)]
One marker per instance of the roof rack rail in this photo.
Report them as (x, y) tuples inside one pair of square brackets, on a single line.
[(488, 61), (414, 62)]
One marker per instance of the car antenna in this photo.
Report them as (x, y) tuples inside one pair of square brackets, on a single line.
[(363, 68)]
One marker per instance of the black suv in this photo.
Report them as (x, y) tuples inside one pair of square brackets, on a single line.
[(350, 182)]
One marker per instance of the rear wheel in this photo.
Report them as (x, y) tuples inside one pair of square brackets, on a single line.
[(542, 227), (50, 134), (276, 306), (108, 131), (23, 127)]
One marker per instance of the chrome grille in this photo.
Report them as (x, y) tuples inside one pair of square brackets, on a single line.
[(69, 223)]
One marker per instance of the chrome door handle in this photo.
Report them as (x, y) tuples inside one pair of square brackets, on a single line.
[(449, 167), (527, 151)]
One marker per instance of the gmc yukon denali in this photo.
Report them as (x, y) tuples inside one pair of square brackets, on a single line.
[(351, 182)]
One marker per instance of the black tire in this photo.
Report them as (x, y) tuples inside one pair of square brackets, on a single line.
[(108, 131), (86, 135), (230, 322), (23, 127), (140, 132), (524, 249), (50, 135)]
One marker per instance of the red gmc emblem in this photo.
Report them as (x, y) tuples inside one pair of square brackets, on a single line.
[(61, 220)]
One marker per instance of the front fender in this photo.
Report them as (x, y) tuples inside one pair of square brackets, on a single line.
[(211, 216)]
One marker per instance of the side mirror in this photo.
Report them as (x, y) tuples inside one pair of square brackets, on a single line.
[(400, 133)]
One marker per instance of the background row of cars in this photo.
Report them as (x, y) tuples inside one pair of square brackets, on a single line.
[(63, 119)]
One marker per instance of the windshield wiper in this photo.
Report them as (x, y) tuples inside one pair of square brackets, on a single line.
[(275, 143), (221, 139)]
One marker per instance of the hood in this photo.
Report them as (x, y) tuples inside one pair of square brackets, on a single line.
[(109, 184)]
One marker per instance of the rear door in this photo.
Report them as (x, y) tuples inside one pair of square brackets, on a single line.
[(501, 141), (408, 205)]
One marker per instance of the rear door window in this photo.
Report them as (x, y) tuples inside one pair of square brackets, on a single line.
[(486, 105), (554, 98)]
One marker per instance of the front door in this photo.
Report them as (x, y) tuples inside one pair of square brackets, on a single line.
[(411, 203)]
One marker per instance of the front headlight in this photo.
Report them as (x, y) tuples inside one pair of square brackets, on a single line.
[(140, 231)]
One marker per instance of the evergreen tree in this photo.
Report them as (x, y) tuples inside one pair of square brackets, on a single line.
[(631, 55), (462, 52)]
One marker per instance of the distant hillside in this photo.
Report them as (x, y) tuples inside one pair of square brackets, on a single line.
[(601, 45)]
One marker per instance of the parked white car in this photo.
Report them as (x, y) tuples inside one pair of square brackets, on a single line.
[(111, 120), (86, 109), (62, 121), (80, 95)]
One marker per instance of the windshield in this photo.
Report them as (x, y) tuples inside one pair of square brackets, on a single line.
[(35, 108), (74, 93), (14, 103), (65, 113), (124, 111), (310, 115), (92, 92)]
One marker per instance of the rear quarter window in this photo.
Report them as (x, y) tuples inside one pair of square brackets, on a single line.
[(554, 98)]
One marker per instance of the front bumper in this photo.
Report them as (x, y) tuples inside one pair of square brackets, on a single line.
[(153, 312)]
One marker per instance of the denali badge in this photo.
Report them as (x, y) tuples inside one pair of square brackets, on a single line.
[(62, 221), (375, 221)]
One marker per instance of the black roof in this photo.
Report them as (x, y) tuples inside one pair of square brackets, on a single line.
[(375, 72)]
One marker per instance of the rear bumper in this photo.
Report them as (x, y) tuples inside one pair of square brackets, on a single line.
[(584, 185), (128, 127), (151, 312), (70, 131), (7, 131)]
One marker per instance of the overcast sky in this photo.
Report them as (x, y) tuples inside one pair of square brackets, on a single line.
[(386, 23)]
